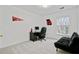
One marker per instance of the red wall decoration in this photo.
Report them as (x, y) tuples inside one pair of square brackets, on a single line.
[(49, 22), (14, 18)]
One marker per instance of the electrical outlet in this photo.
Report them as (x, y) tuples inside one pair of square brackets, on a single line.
[(1, 35)]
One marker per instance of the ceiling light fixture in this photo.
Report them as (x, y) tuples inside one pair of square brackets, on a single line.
[(44, 6)]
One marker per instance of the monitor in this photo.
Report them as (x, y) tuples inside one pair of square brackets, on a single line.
[(36, 28)]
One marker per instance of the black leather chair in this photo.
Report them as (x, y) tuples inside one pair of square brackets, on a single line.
[(69, 44), (42, 34)]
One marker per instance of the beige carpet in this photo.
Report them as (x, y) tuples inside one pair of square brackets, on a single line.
[(38, 47)]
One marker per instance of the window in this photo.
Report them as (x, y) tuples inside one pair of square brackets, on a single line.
[(63, 25)]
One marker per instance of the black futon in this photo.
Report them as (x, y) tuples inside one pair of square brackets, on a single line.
[(69, 44)]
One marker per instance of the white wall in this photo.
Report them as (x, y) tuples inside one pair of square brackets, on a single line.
[(78, 18), (52, 30), (15, 32)]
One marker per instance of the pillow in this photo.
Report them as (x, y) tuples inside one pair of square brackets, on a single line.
[(74, 35), (74, 38)]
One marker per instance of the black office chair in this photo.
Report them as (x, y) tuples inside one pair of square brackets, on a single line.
[(42, 34)]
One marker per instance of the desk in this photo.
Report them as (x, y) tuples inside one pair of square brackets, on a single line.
[(34, 36), (36, 33)]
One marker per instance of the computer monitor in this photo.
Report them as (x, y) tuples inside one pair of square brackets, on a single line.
[(36, 28)]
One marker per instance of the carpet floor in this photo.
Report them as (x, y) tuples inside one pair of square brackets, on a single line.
[(38, 47)]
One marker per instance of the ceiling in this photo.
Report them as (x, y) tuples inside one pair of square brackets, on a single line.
[(38, 9)]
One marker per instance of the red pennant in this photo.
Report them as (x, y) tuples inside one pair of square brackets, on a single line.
[(14, 18)]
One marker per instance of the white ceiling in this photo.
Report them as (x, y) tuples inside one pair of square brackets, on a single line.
[(37, 9)]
